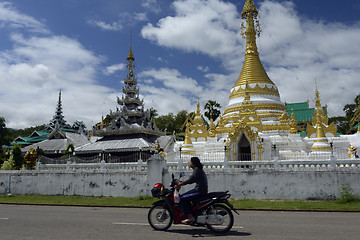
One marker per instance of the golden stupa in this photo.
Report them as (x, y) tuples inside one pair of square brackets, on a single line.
[(255, 84)]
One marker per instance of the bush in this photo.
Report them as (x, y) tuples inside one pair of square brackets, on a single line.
[(347, 195), (18, 159), (9, 164)]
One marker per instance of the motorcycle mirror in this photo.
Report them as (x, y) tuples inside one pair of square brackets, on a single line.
[(182, 174), (172, 175)]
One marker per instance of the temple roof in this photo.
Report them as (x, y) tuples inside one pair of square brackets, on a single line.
[(51, 145), (302, 111), (125, 145)]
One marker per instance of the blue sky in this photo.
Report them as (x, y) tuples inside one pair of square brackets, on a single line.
[(184, 50)]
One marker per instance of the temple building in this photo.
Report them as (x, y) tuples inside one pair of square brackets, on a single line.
[(129, 131), (255, 125), (57, 135)]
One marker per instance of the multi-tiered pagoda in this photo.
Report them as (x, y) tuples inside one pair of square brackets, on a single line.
[(130, 119), (130, 128)]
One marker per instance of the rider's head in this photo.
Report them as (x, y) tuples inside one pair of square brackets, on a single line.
[(195, 162)]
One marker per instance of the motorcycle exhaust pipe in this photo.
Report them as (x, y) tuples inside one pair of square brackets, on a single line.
[(210, 219)]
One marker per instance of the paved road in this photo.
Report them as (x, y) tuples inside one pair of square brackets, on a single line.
[(43, 222)]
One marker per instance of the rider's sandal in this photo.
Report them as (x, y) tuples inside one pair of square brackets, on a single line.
[(188, 221)]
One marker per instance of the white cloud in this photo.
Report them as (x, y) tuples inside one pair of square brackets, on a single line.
[(203, 69), (114, 26), (125, 19), (10, 17), (172, 79), (201, 26), (114, 68), (37, 66), (151, 5)]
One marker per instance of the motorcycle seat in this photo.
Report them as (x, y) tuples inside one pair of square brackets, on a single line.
[(211, 195)]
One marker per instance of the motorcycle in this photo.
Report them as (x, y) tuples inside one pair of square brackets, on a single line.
[(212, 211)]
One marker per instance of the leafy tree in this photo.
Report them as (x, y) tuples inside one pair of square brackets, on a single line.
[(2, 157), (344, 123), (153, 112), (9, 164), (213, 110), (18, 159), (3, 133), (341, 123), (166, 122), (350, 109), (170, 122), (180, 119), (70, 149)]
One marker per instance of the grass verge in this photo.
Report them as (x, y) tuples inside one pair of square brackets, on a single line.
[(143, 201)]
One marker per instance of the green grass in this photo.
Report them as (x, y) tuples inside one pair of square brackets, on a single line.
[(143, 201), (297, 205)]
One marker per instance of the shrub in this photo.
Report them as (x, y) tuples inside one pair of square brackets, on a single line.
[(347, 195)]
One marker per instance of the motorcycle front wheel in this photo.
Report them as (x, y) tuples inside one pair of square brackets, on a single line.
[(228, 219), (160, 218)]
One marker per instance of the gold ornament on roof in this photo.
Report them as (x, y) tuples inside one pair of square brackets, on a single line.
[(196, 127), (320, 118)]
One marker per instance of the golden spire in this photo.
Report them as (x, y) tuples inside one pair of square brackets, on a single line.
[(130, 57), (198, 129), (253, 83), (198, 108), (253, 70), (60, 95), (317, 102)]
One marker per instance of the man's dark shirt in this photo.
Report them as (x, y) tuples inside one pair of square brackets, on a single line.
[(199, 177)]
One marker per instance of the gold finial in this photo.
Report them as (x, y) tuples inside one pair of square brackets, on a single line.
[(317, 102), (130, 56), (249, 7), (60, 95), (198, 107)]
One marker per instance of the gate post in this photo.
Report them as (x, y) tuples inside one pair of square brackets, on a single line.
[(156, 172)]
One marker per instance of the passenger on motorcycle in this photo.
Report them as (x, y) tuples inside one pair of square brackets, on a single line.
[(201, 188)]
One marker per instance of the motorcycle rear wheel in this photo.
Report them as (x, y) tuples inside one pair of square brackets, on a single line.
[(228, 219), (160, 218)]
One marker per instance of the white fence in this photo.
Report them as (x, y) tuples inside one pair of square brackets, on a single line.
[(181, 163)]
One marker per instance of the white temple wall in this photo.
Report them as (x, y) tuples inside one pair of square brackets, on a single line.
[(242, 183)]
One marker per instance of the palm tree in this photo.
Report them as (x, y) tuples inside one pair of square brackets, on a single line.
[(213, 110)]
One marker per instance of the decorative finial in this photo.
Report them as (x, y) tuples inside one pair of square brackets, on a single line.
[(130, 56), (249, 7), (198, 107), (249, 14), (317, 101)]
